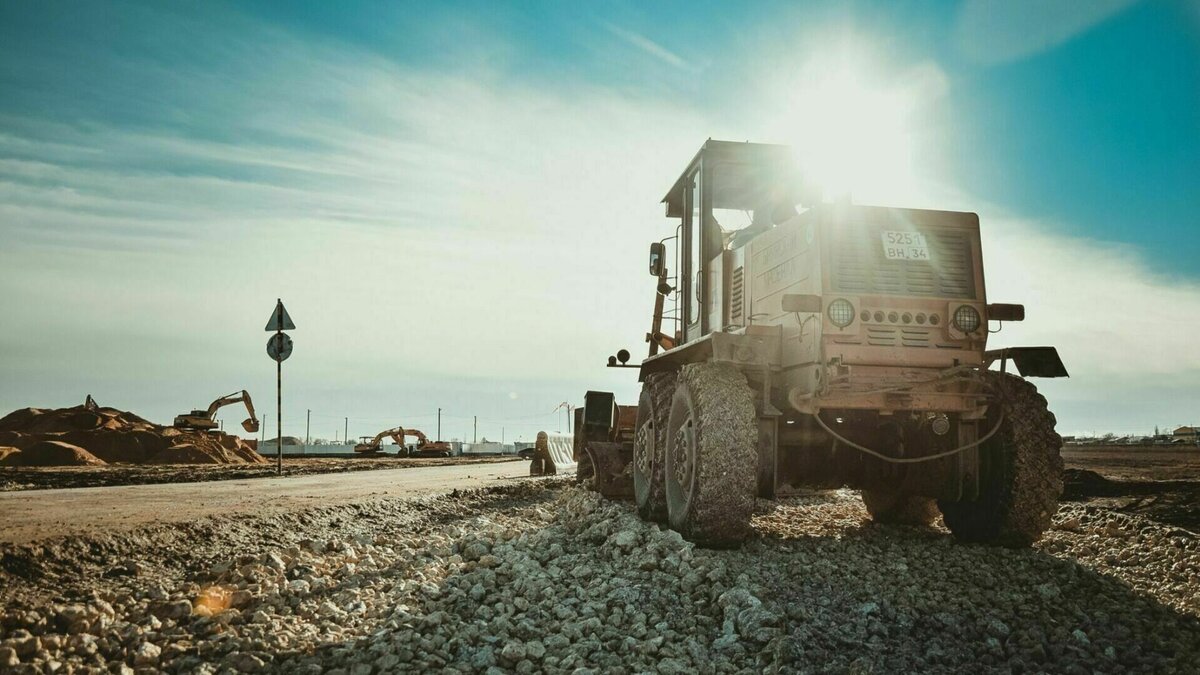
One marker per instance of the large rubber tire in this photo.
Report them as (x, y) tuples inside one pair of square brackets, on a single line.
[(650, 445), (891, 509), (712, 460), (1020, 470)]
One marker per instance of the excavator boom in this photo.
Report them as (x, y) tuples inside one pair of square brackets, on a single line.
[(424, 447), (206, 419)]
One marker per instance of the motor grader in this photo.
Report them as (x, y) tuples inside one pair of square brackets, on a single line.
[(809, 343)]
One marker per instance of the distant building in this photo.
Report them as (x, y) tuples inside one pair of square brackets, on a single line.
[(1186, 433)]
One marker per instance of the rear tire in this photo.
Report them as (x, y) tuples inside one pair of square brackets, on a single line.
[(649, 446), (712, 460), (1020, 470), (892, 509)]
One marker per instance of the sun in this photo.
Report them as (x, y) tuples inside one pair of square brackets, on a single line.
[(853, 131)]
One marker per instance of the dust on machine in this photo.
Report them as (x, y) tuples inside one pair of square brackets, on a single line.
[(802, 343)]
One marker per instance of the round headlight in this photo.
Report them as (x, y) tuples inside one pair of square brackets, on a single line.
[(966, 319), (841, 312)]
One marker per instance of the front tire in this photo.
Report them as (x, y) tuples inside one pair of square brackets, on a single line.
[(1020, 470), (711, 460), (649, 446)]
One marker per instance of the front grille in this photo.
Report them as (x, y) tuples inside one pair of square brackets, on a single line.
[(859, 265), (735, 296), (885, 336)]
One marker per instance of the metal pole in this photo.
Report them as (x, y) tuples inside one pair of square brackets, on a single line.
[(307, 426), (475, 432), (279, 409), (346, 431), (439, 424)]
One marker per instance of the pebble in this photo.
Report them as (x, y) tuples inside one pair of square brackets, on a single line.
[(566, 582)]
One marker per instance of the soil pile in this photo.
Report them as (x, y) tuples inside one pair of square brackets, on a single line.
[(109, 435), (52, 453)]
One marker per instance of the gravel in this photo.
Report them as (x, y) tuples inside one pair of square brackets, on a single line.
[(550, 578)]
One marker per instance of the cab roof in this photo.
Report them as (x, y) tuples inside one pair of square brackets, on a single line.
[(761, 154)]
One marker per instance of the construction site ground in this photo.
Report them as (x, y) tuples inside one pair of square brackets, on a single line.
[(52, 477), (1160, 482), (479, 568)]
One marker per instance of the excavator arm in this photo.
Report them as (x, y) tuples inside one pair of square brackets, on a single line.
[(250, 424)]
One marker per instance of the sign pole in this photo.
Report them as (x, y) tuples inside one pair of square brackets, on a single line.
[(279, 415), (279, 347)]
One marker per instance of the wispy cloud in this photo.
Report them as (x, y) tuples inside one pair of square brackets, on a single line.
[(992, 33), (648, 46), (441, 238)]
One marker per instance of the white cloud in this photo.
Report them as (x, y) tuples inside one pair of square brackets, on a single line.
[(450, 240), (648, 46), (992, 33)]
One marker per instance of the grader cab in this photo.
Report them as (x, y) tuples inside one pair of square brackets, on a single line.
[(796, 342)]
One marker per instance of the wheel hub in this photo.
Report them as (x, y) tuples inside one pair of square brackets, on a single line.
[(684, 438), (643, 447)]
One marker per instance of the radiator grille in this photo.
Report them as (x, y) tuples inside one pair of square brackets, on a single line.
[(860, 267), (885, 336), (736, 296)]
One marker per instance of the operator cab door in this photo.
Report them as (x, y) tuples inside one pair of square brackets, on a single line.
[(695, 313)]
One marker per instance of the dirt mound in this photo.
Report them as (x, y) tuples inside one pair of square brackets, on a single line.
[(57, 453), (9, 456), (1081, 483), (110, 435), (184, 453), (287, 440)]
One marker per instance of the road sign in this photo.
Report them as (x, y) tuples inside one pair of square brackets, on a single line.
[(279, 346), (279, 319)]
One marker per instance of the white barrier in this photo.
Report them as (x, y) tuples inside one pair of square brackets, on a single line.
[(562, 450)]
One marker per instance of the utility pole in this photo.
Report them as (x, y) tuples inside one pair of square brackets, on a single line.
[(502, 435), (439, 435), (308, 427), (346, 430), (475, 432)]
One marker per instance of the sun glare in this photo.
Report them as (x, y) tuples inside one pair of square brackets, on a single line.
[(853, 132)]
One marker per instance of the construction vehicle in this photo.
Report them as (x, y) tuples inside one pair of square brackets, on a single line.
[(423, 448), (823, 344), (205, 420)]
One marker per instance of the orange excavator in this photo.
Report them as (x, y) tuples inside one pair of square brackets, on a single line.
[(424, 447), (205, 420)]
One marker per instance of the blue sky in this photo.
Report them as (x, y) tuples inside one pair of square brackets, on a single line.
[(434, 189)]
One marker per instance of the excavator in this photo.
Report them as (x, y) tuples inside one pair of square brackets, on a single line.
[(424, 448), (205, 420)]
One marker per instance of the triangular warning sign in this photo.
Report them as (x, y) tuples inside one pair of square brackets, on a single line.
[(279, 319)]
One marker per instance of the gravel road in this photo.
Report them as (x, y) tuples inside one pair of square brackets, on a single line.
[(52, 477), (537, 576), (41, 514)]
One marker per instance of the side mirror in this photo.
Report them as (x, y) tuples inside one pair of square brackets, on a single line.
[(1005, 312), (658, 257), (801, 303)]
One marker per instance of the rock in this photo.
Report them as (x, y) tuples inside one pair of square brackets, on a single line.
[(513, 651), (146, 654), (8, 657), (246, 663), (172, 609)]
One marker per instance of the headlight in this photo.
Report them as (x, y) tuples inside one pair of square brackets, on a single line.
[(966, 319), (841, 312)]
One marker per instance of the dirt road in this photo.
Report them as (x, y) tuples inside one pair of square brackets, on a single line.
[(40, 514), (51, 477)]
